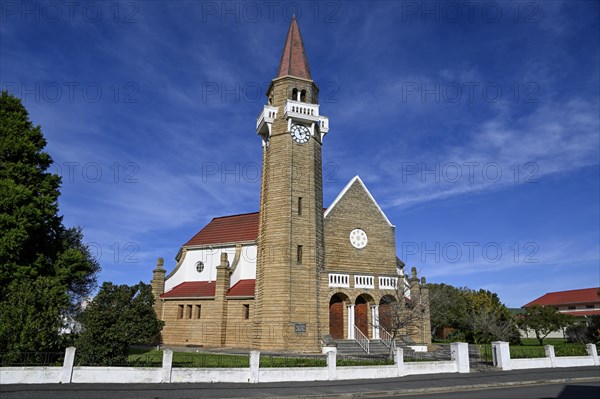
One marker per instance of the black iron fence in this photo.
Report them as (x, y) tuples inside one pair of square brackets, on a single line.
[(20, 359), (293, 360), (481, 356), (138, 360), (364, 360), (209, 360)]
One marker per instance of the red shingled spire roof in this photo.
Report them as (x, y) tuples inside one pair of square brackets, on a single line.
[(293, 60)]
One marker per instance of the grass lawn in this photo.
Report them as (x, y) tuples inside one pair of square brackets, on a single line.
[(153, 358), (530, 347)]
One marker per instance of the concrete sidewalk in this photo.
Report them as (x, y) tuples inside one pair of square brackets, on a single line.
[(343, 389)]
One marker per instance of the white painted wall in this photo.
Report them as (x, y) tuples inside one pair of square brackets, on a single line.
[(246, 268), (211, 257), (30, 375), (418, 348), (504, 361), (117, 375), (573, 361), (293, 374), (412, 368), (460, 364), (191, 375), (366, 372)]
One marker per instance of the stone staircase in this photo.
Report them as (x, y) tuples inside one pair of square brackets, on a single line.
[(349, 347)]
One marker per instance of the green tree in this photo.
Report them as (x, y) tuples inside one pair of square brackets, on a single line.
[(478, 316), (447, 307), (45, 269), (119, 316), (488, 319), (543, 320)]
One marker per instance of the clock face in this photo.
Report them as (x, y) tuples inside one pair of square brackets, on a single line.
[(300, 134), (358, 238)]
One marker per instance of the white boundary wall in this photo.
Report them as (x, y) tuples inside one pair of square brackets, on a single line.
[(69, 374), (501, 353), (253, 374)]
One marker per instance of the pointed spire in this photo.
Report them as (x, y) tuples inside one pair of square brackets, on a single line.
[(293, 60)]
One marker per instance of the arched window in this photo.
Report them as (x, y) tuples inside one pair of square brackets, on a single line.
[(295, 94), (303, 96)]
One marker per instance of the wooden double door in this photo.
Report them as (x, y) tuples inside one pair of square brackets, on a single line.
[(361, 317), (336, 317), (361, 314)]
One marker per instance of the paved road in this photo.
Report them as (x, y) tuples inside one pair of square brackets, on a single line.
[(548, 391), (392, 387)]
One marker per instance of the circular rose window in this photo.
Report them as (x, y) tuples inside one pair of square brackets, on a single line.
[(358, 238), (199, 267)]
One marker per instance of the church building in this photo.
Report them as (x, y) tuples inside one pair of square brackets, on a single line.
[(294, 275)]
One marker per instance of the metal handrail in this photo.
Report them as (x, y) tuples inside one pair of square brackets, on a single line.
[(387, 338), (361, 339)]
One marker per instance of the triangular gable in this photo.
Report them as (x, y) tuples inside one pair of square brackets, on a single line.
[(356, 179)]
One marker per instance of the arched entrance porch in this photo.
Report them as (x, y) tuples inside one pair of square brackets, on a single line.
[(362, 320), (387, 306), (337, 303)]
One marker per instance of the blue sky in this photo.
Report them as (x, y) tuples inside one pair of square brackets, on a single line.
[(474, 124)]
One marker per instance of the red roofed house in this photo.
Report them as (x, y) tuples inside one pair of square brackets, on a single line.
[(291, 275), (580, 303)]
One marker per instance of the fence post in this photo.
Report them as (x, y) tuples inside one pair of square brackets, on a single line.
[(254, 366), (591, 350), (460, 354), (501, 352), (549, 349), (332, 363), (399, 361), (167, 365), (67, 369)]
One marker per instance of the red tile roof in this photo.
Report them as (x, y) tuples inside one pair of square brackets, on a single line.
[(224, 229), (191, 289), (228, 229), (293, 60), (243, 288), (586, 295)]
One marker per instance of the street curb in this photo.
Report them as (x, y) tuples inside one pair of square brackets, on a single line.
[(457, 388)]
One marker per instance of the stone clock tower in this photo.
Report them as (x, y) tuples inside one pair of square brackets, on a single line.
[(290, 241)]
